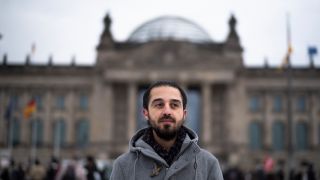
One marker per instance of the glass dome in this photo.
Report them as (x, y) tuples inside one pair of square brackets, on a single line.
[(169, 28)]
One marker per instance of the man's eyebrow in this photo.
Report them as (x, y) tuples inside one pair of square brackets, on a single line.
[(171, 100), (155, 100), (176, 100)]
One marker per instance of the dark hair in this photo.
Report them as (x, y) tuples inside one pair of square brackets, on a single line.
[(146, 95)]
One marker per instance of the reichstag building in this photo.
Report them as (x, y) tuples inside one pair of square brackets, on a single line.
[(237, 111)]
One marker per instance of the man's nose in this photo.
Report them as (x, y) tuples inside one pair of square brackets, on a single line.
[(167, 109)]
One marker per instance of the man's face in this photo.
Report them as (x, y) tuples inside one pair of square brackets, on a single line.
[(165, 112)]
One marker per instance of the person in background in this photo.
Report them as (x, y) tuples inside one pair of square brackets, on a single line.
[(72, 170), (52, 169), (4, 169), (37, 171), (92, 170), (233, 172)]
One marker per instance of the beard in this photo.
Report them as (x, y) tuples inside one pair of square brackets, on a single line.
[(167, 132)]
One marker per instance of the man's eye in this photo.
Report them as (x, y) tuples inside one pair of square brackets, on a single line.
[(158, 105), (175, 105)]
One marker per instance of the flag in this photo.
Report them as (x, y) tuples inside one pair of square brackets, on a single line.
[(312, 51), (268, 164), (8, 112), (285, 61), (29, 109)]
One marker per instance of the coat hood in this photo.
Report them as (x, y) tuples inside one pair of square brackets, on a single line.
[(137, 144)]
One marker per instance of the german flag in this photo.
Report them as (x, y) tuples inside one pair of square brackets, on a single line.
[(29, 109)]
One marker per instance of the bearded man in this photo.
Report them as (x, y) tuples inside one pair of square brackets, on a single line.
[(165, 150)]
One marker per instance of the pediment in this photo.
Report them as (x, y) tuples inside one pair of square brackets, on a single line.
[(168, 54)]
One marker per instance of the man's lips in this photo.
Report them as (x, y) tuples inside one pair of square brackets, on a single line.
[(167, 120)]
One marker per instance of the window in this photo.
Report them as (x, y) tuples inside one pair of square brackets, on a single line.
[(255, 103), (39, 102), (14, 132), (278, 137), (59, 133), (60, 102), (36, 132), (83, 102), (301, 136), (255, 136), (301, 103), (82, 133), (14, 99), (277, 103), (194, 110)]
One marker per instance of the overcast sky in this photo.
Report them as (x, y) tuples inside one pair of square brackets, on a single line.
[(67, 28)]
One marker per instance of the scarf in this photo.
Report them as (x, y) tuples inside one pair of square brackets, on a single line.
[(168, 156)]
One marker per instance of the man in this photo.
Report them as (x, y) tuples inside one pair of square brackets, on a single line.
[(165, 150)]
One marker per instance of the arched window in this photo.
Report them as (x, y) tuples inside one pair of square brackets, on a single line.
[(301, 136), (194, 109), (59, 133), (82, 133), (36, 132), (255, 136), (278, 137)]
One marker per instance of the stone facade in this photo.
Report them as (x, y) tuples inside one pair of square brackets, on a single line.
[(236, 113)]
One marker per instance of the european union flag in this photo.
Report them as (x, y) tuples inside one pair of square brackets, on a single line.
[(312, 50)]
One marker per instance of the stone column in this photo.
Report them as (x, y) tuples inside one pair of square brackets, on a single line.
[(206, 106), (108, 93), (70, 109), (132, 105)]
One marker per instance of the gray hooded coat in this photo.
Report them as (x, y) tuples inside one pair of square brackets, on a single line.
[(143, 163)]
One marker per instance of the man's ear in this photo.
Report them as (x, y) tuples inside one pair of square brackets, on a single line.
[(185, 114), (145, 113)]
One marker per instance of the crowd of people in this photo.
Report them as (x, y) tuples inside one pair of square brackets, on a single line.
[(74, 169), (79, 169), (305, 171)]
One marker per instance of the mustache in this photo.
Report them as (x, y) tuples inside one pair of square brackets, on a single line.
[(166, 118)]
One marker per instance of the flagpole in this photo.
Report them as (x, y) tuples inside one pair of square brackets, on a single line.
[(289, 103), (28, 114), (9, 124), (34, 141), (10, 138)]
